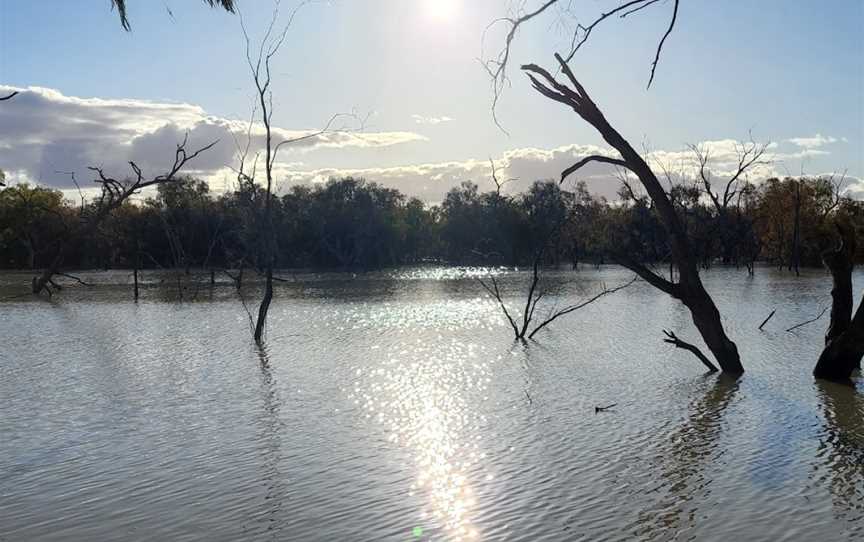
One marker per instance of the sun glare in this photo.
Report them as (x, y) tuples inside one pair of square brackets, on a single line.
[(442, 10)]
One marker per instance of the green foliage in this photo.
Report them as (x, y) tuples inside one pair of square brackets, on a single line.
[(352, 223)]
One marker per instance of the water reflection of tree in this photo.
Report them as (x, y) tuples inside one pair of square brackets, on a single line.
[(682, 460), (270, 443), (841, 448)]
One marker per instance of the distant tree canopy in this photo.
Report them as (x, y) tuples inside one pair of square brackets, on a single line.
[(228, 5), (352, 223)]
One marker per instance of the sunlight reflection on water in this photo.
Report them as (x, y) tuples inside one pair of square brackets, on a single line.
[(422, 393)]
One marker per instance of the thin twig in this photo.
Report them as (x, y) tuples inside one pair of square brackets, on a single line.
[(809, 321)]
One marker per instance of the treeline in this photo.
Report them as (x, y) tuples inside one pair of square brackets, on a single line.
[(351, 223)]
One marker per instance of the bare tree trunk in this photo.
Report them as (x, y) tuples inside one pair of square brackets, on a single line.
[(844, 340), (265, 305), (135, 272)]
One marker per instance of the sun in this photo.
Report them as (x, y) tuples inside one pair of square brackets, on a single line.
[(442, 10)]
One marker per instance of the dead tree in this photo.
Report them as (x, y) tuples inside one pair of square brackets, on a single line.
[(260, 69), (844, 341), (113, 193), (750, 154), (259, 66), (689, 288), (731, 229), (524, 325)]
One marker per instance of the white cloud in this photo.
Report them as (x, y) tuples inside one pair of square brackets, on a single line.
[(431, 181), (44, 131), (814, 142), (420, 119)]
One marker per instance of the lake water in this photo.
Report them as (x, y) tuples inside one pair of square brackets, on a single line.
[(396, 406)]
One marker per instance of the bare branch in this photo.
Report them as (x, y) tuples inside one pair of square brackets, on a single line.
[(496, 293), (671, 338), (497, 68), (628, 8), (662, 41), (8, 96), (583, 304), (804, 323), (73, 277), (499, 184), (593, 158)]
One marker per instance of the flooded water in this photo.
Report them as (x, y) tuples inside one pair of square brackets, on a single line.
[(397, 406)]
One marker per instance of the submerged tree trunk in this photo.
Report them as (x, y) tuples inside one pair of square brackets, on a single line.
[(689, 288), (265, 305), (135, 275), (844, 340)]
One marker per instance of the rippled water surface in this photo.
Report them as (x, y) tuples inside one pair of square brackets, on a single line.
[(396, 406)]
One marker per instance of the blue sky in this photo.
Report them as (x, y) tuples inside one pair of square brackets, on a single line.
[(781, 70)]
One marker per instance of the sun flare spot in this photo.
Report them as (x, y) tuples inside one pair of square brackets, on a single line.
[(442, 10)]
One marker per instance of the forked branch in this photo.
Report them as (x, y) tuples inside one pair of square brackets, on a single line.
[(673, 339)]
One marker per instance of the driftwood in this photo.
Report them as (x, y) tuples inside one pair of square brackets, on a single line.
[(766, 320), (810, 321)]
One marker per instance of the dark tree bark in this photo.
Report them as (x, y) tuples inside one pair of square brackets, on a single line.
[(844, 341), (689, 288)]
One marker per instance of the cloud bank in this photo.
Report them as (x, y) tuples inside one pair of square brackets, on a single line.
[(420, 119), (44, 132)]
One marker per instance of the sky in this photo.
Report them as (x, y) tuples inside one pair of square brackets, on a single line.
[(786, 72)]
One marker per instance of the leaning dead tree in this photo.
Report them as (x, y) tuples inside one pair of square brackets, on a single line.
[(844, 341), (112, 195), (572, 94), (689, 288)]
